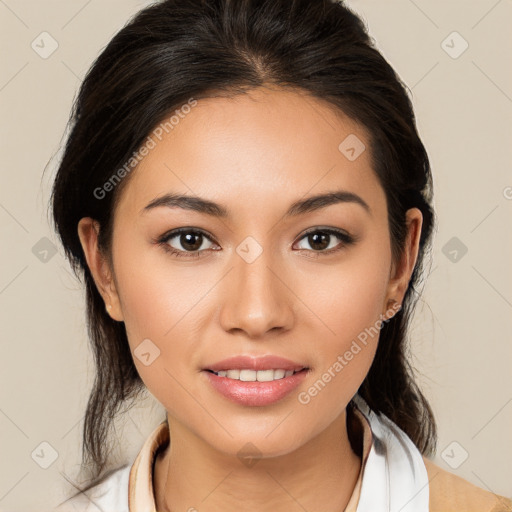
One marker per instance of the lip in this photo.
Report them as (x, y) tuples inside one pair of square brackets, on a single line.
[(267, 362), (256, 393)]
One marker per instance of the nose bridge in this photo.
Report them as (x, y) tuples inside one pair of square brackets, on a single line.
[(256, 300)]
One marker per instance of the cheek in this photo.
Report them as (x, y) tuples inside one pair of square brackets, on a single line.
[(163, 313), (162, 304), (349, 296), (156, 294), (348, 299)]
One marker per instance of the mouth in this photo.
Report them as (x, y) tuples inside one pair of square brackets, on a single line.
[(249, 375), (256, 368), (255, 388)]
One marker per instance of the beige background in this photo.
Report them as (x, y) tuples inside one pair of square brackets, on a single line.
[(461, 336)]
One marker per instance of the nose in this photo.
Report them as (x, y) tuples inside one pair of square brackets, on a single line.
[(256, 298)]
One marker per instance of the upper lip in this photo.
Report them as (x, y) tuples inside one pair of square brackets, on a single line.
[(268, 362)]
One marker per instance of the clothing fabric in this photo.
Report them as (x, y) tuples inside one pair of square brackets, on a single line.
[(394, 477)]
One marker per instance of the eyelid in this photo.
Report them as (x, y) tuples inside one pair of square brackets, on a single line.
[(326, 229), (164, 239)]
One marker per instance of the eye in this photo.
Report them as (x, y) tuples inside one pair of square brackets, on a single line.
[(185, 242), (190, 242), (322, 240)]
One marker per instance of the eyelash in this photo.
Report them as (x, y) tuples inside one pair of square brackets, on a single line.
[(345, 238)]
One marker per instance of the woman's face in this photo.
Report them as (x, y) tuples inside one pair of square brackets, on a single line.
[(308, 285)]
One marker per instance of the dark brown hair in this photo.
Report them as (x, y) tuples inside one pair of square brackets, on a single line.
[(180, 49)]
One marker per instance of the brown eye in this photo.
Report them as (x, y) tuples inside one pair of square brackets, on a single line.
[(183, 241), (191, 241), (324, 240), (319, 240)]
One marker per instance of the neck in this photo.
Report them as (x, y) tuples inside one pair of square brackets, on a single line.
[(319, 476)]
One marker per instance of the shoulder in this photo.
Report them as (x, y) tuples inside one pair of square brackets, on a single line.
[(109, 495), (449, 492)]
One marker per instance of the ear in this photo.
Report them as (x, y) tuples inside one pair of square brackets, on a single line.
[(88, 230), (402, 270)]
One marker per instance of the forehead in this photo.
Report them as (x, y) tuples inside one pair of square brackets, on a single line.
[(266, 143)]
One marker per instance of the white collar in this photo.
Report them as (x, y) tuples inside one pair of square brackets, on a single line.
[(395, 477)]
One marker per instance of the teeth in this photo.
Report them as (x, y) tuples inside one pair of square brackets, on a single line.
[(278, 374), (253, 375), (233, 374)]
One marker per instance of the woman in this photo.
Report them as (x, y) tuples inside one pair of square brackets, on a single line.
[(246, 194)]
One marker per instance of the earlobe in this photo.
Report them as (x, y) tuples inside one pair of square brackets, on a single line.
[(88, 231)]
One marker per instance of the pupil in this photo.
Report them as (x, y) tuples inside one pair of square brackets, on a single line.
[(185, 241), (314, 240)]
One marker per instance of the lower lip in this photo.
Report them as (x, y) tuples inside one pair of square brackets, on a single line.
[(255, 393)]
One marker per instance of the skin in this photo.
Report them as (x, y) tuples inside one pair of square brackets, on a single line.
[(255, 154)]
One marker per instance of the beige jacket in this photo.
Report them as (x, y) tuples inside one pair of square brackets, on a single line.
[(451, 493)]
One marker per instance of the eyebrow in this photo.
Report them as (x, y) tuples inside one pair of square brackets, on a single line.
[(299, 207)]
